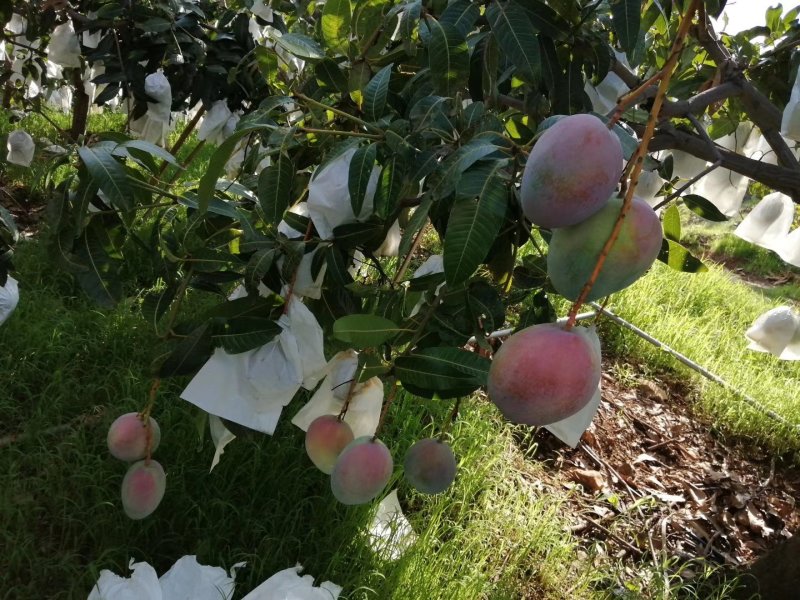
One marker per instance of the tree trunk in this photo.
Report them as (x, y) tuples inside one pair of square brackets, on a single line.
[(80, 106)]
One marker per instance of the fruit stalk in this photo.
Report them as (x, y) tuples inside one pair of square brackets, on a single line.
[(638, 157)]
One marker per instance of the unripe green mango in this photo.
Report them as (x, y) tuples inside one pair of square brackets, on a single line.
[(570, 173), (574, 250)]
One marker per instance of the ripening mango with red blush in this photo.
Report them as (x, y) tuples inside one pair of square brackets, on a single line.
[(430, 466), (572, 170), (128, 437), (362, 471), (143, 488), (544, 373), (326, 437)]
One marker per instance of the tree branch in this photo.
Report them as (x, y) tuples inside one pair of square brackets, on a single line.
[(782, 179)]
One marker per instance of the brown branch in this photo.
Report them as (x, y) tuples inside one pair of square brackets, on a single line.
[(697, 104), (781, 179)]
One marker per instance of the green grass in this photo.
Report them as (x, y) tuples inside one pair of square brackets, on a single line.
[(493, 535), (704, 316)]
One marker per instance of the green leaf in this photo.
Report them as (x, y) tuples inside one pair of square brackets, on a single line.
[(275, 189), (109, 175), (216, 164), (545, 19), (336, 17), (462, 15), (672, 224), (155, 304), (259, 264), (703, 207), (246, 306), (415, 224), (329, 73), (189, 355), (246, 333), (451, 169), (627, 16), (446, 372), (151, 149), (516, 37), (375, 94), (99, 278), (679, 258), (539, 311), (390, 182), (365, 330), (448, 58), (300, 46), (359, 175), (474, 223)]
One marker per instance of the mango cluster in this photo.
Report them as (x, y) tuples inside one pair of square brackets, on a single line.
[(548, 372), (132, 438), (360, 468)]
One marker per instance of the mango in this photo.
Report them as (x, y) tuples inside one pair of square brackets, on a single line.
[(143, 488), (572, 170), (326, 437), (430, 466), (574, 250), (362, 471), (544, 373), (127, 437)]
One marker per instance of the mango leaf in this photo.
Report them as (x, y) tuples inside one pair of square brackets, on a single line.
[(144, 146), (626, 21), (672, 224), (246, 333), (448, 58), (545, 19), (375, 94), (258, 265), (155, 304), (300, 46), (451, 168), (462, 15), (445, 372), (336, 17), (99, 277), (275, 188), (189, 354), (365, 330), (359, 174), (703, 207), (516, 38), (390, 182), (329, 73), (109, 175), (679, 258), (218, 160), (415, 224), (474, 223), (246, 306)]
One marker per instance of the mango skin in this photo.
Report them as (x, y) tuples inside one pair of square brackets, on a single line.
[(543, 374), (143, 488), (326, 437), (362, 471), (572, 170), (574, 250), (127, 437), (430, 466)]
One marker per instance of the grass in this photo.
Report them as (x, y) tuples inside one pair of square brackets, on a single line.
[(493, 535), (704, 316)]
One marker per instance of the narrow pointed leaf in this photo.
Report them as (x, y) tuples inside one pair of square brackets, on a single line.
[(359, 174), (672, 224), (189, 354), (365, 331), (275, 188), (375, 94), (626, 20), (109, 175), (703, 207), (679, 258), (336, 18), (474, 223), (516, 37), (448, 58), (246, 333), (462, 15)]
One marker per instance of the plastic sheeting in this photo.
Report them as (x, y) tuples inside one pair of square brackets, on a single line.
[(218, 123), (769, 222), (647, 189), (289, 585), (9, 298), (390, 533), (64, 48), (329, 195), (605, 94), (154, 126), (777, 331), (20, 148), (790, 122)]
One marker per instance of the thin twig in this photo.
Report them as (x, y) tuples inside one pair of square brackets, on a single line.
[(637, 160)]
